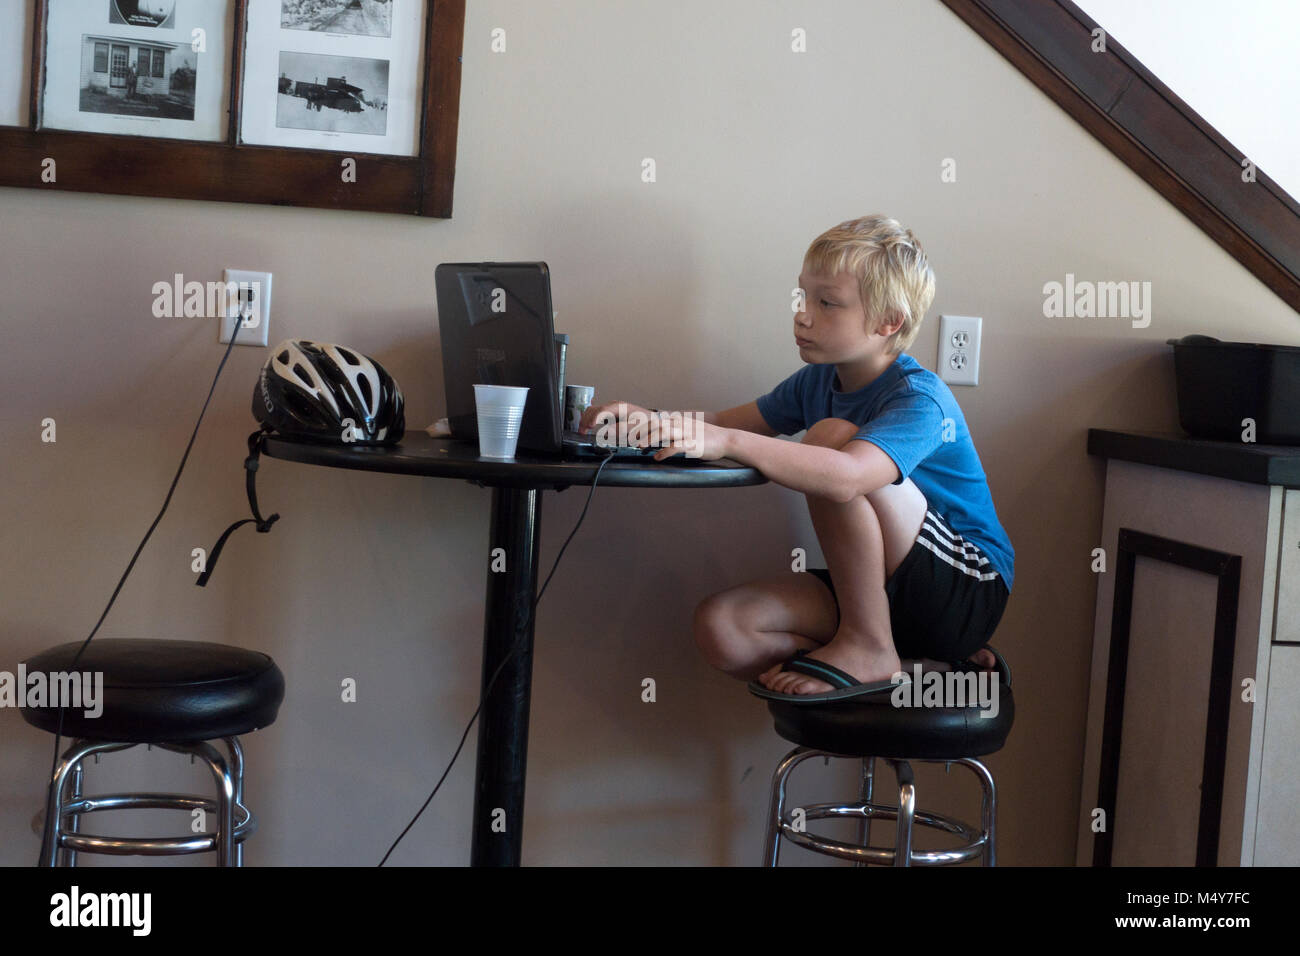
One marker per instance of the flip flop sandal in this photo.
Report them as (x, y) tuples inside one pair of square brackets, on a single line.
[(846, 685), (1000, 665)]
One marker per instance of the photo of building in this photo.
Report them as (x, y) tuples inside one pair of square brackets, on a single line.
[(137, 77)]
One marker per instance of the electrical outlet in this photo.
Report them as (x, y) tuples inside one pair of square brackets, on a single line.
[(249, 293), (959, 349)]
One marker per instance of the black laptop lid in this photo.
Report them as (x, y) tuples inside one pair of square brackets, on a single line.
[(497, 328)]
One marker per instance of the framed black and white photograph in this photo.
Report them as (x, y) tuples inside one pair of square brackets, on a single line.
[(370, 18), (347, 94), (147, 68), (253, 101), (142, 13), (341, 75), (127, 76)]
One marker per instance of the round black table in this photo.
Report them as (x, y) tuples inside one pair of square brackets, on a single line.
[(516, 511)]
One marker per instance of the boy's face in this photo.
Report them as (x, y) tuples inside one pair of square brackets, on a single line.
[(833, 326)]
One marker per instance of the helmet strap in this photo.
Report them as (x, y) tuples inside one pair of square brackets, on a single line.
[(255, 442)]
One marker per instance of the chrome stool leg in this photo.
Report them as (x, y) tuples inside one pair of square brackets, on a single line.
[(776, 805), (74, 819), (54, 808), (242, 822), (237, 771), (988, 808), (59, 784), (906, 812), (864, 825), (225, 842)]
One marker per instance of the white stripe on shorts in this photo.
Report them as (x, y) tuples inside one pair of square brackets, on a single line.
[(951, 547)]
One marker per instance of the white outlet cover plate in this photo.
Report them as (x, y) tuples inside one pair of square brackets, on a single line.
[(959, 349), (257, 326)]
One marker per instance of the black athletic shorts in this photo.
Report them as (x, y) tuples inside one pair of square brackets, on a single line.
[(945, 599)]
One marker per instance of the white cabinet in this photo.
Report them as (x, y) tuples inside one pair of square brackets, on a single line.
[(1277, 824)]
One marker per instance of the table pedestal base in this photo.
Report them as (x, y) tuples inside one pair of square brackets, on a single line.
[(503, 722)]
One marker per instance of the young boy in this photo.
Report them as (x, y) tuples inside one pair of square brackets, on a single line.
[(918, 565)]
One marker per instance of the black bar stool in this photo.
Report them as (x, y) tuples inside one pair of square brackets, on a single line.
[(870, 727), (176, 695)]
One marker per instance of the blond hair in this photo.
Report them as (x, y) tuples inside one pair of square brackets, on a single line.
[(894, 275)]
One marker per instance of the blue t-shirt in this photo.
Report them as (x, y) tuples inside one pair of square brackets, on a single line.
[(905, 412)]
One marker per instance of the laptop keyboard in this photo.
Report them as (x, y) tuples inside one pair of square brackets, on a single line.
[(583, 443)]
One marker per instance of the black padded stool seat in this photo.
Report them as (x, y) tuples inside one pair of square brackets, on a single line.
[(873, 727), (159, 691), (903, 725)]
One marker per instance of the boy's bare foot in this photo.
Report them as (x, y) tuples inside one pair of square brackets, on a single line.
[(852, 655)]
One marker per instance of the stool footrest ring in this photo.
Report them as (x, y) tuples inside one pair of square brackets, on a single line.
[(971, 849), (978, 842), (887, 811), (245, 825)]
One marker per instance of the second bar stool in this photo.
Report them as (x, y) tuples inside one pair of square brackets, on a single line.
[(176, 695)]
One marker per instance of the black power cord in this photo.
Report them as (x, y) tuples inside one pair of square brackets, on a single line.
[(58, 734), (503, 663)]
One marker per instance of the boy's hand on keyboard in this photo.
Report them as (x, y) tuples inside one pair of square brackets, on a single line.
[(671, 433), (693, 436), (610, 414)]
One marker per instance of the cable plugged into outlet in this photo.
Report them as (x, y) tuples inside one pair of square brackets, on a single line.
[(959, 349), (247, 294)]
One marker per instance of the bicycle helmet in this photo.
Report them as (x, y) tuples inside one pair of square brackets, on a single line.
[(316, 390)]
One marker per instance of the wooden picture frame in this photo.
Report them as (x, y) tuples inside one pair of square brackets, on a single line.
[(231, 171)]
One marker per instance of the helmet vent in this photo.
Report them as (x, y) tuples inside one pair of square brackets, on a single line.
[(366, 395), (351, 359), (302, 374), (284, 356)]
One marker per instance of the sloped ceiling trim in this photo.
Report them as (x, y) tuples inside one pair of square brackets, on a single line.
[(1150, 129)]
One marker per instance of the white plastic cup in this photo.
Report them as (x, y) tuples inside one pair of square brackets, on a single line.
[(500, 413), (577, 399)]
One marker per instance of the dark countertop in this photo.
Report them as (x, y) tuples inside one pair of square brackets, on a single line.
[(1239, 461)]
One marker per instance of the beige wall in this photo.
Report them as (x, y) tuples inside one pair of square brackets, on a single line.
[(675, 294)]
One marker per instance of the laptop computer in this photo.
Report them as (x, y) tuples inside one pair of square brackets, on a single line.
[(497, 328)]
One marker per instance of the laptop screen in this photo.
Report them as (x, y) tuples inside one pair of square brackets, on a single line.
[(496, 326)]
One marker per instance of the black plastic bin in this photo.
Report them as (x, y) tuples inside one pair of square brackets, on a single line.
[(1221, 383)]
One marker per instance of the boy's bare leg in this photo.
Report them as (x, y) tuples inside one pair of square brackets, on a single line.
[(749, 631), (746, 629), (864, 541)]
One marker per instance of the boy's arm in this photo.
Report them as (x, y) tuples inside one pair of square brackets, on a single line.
[(839, 474), (745, 417), (859, 468)]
